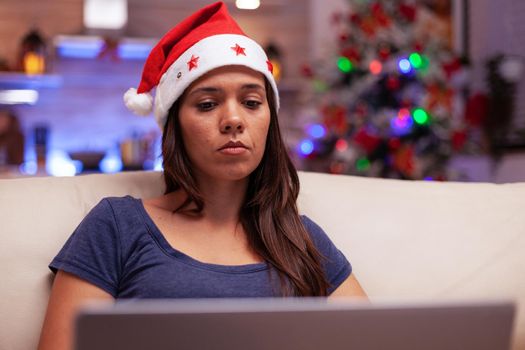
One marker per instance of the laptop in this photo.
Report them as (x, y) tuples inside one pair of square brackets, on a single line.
[(294, 324)]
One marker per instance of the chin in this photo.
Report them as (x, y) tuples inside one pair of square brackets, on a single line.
[(235, 173)]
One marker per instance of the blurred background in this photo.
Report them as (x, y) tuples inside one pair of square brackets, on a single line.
[(410, 89)]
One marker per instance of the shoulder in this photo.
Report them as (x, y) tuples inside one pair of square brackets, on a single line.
[(111, 206), (336, 267), (317, 234), (109, 213)]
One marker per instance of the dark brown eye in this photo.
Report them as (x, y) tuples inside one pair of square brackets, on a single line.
[(253, 104), (206, 106)]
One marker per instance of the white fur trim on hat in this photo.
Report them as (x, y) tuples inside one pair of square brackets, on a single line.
[(141, 104), (212, 52)]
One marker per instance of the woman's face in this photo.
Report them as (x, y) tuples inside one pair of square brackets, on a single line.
[(224, 118)]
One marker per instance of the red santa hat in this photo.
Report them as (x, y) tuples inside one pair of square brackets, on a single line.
[(208, 39)]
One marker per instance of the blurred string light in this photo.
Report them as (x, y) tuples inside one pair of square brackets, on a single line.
[(416, 60), (317, 131), (344, 64), (403, 122), (404, 65), (111, 163), (247, 4), (362, 164), (306, 147), (420, 116), (375, 67), (341, 145), (60, 164)]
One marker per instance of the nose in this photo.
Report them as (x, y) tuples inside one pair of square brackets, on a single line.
[(232, 122)]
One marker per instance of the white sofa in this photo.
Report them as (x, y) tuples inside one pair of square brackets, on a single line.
[(409, 240)]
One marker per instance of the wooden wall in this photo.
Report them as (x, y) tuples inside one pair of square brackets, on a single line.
[(285, 23), (52, 17)]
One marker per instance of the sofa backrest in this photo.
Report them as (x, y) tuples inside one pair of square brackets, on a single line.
[(404, 239)]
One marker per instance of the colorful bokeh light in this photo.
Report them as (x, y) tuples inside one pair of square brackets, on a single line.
[(341, 145), (306, 147), (362, 164), (344, 64), (404, 66), (416, 60), (402, 124), (317, 131), (420, 116), (375, 67)]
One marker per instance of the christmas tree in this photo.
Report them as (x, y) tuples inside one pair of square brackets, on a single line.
[(389, 102)]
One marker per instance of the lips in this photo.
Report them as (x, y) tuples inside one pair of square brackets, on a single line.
[(233, 144), (233, 148)]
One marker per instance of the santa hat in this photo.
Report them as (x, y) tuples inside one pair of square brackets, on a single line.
[(208, 39)]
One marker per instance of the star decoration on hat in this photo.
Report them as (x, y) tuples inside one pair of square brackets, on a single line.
[(270, 66), (238, 50), (193, 62)]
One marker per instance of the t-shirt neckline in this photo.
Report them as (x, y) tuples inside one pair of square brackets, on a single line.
[(163, 243)]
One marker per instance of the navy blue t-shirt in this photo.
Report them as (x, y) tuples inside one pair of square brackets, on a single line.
[(118, 248)]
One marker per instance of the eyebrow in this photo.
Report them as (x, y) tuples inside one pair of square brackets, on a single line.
[(211, 89)]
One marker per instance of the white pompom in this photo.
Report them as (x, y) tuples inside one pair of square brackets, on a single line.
[(141, 104)]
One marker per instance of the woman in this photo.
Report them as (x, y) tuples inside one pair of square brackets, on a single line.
[(227, 225)]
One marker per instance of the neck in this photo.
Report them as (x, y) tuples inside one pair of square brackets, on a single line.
[(223, 199)]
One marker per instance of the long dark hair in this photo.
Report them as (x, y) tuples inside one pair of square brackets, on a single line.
[(269, 213)]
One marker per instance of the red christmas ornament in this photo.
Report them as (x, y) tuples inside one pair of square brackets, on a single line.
[(405, 103), (377, 8), (459, 138), (439, 95), (404, 160), (418, 47), (334, 118), (451, 67), (337, 168), (368, 26), (476, 109), (408, 12), (366, 140), (352, 54), (354, 18), (383, 20), (343, 37), (384, 52), (394, 143), (306, 71), (392, 83), (361, 110)]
